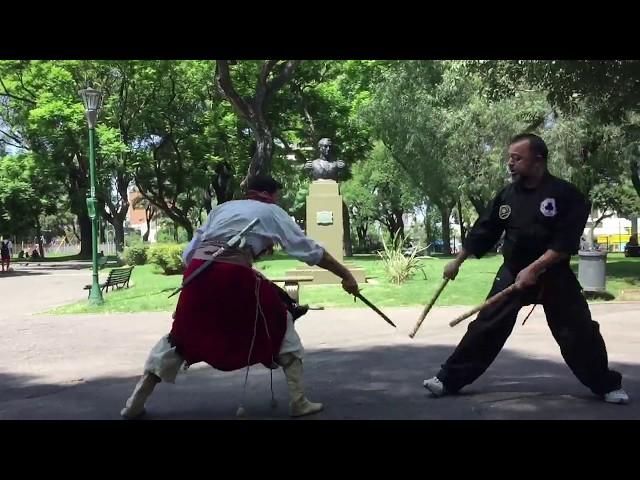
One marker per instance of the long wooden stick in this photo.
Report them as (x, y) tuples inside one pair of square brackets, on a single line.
[(490, 301), (428, 307)]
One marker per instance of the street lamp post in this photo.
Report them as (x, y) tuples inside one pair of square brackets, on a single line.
[(92, 100)]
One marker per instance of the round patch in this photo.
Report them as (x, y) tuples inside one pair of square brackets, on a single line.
[(548, 207), (504, 212)]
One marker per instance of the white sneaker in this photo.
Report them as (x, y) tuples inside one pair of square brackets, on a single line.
[(435, 386), (617, 396)]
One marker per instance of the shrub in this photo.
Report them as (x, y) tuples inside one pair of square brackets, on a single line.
[(399, 263), (135, 254), (168, 257)]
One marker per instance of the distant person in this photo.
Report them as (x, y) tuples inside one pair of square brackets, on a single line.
[(5, 256), (632, 249), (584, 245)]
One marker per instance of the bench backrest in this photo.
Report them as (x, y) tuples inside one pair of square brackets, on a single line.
[(119, 275)]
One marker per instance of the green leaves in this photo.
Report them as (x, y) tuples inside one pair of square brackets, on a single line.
[(399, 264), (25, 192), (443, 128), (379, 191)]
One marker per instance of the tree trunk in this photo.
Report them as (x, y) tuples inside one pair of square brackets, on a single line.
[(445, 214), (118, 228), (261, 159), (253, 109), (148, 214), (346, 226), (85, 235), (186, 224), (361, 232), (395, 224), (221, 186), (101, 237), (400, 223), (118, 213), (463, 230), (75, 233), (39, 236), (427, 231), (77, 188), (635, 174), (206, 200)]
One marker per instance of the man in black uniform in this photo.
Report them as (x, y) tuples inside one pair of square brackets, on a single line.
[(543, 218)]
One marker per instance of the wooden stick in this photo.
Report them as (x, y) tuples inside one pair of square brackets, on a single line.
[(490, 301), (428, 307)]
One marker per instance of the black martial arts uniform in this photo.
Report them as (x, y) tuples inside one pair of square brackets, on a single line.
[(550, 216)]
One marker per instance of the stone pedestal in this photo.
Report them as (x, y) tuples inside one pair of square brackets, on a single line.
[(325, 226)]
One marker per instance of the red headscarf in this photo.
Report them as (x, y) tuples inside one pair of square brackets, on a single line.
[(259, 196)]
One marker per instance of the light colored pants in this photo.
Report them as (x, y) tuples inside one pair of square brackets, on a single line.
[(164, 361)]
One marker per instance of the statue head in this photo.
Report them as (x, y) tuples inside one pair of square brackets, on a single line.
[(325, 147), (325, 167)]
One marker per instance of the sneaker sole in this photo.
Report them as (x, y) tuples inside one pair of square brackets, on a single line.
[(618, 402)]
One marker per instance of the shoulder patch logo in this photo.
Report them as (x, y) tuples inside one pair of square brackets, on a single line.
[(548, 207), (504, 212)]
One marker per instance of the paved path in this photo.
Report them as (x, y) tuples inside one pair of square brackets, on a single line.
[(84, 366)]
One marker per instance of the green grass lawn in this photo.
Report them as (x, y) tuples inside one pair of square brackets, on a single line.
[(622, 273), (151, 288)]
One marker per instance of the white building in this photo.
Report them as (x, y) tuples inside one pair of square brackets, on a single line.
[(136, 217), (613, 232)]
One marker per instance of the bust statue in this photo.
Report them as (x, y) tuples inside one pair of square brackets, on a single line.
[(325, 167)]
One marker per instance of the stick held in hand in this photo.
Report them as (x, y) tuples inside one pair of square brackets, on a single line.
[(490, 301), (424, 313)]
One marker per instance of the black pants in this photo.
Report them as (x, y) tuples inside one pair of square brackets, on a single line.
[(568, 317), (286, 299)]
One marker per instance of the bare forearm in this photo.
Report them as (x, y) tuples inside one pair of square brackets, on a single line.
[(451, 269), (546, 260), (462, 256), (329, 263)]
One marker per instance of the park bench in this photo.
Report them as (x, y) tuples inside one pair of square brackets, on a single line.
[(292, 285), (118, 278)]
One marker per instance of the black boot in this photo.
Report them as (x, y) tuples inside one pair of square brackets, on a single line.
[(298, 310)]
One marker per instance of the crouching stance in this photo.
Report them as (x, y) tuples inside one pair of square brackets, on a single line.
[(230, 316)]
